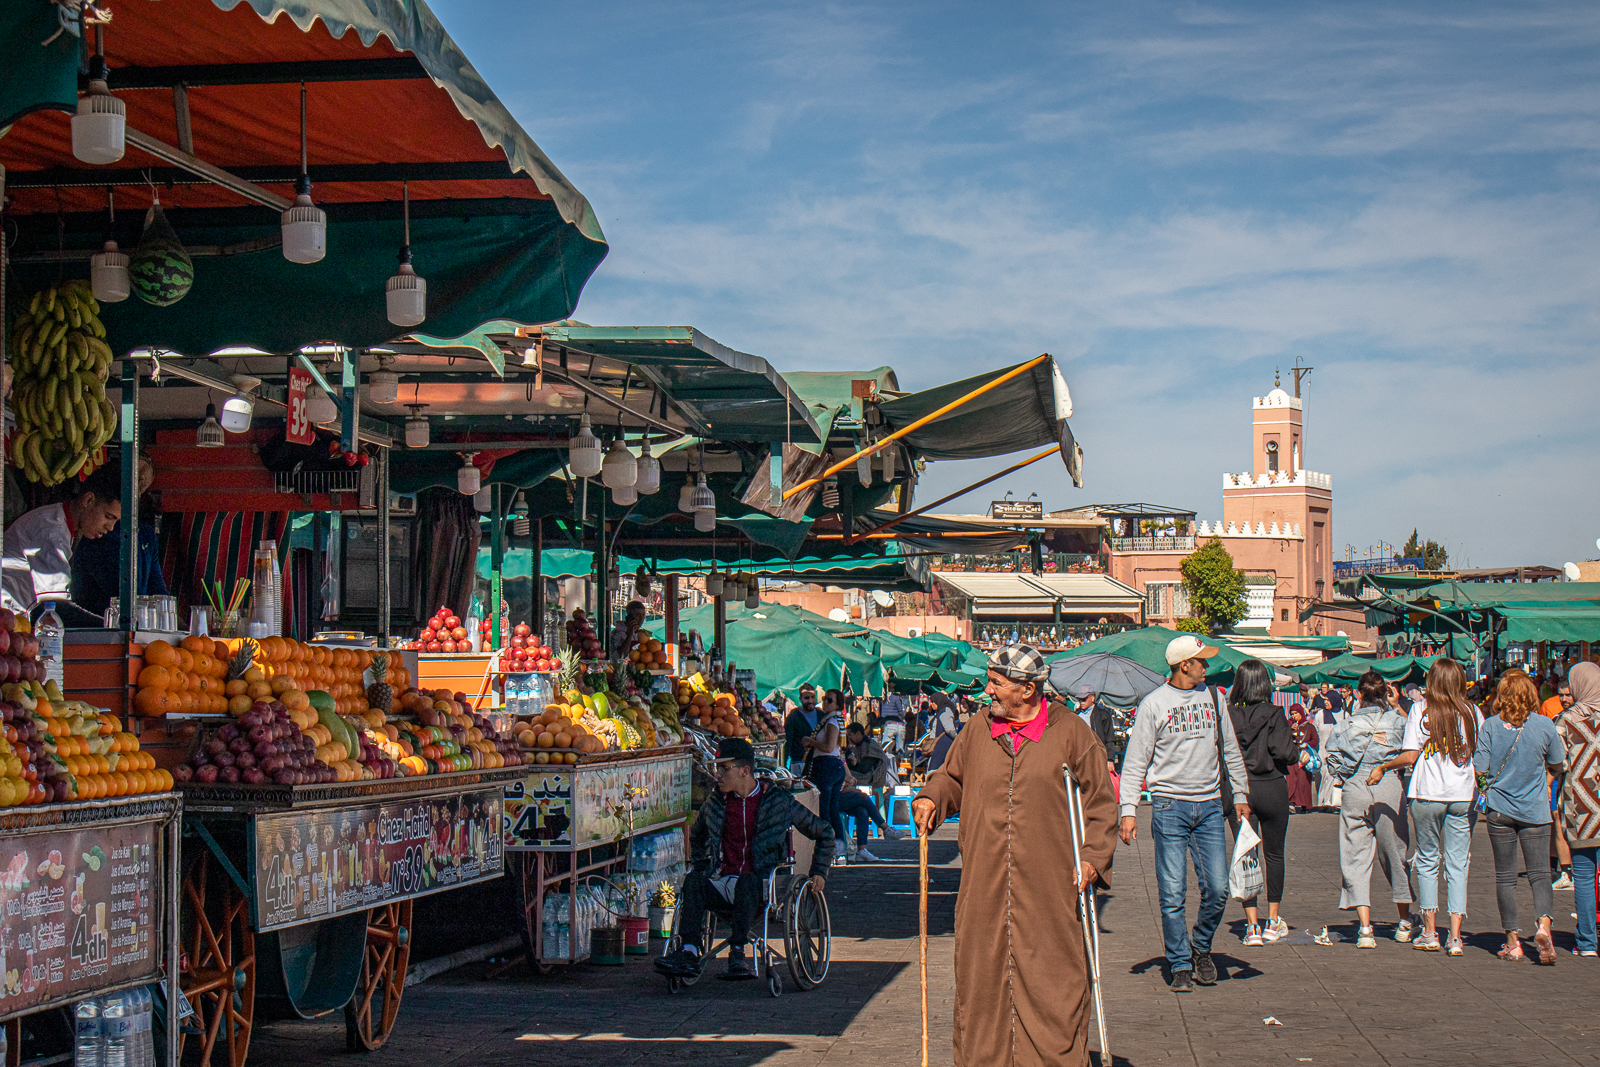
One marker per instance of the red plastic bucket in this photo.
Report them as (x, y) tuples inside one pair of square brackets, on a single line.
[(635, 935)]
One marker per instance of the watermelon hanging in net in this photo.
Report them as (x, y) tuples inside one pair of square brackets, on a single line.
[(161, 271)]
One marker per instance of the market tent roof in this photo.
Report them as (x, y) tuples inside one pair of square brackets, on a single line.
[(939, 534), (1028, 411), (1564, 622), (1018, 593), (1349, 667), (827, 394), (1148, 647), (1293, 652), (497, 230), (890, 571), (786, 653)]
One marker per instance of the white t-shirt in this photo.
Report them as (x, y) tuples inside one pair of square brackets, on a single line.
[(37, 559), (1435, 776)]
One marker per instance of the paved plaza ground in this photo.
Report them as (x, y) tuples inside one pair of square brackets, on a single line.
[(1336, 1004)]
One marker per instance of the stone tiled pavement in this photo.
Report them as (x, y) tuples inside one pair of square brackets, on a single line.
[(1336, 1004)]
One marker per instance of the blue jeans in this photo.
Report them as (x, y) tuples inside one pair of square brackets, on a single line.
[(1444, 831), (827, 773), (894, 736), (853, 802), (1583, 868), (1180, 828)]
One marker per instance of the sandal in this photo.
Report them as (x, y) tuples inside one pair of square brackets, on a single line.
[(1546, 947), (1506, 953)]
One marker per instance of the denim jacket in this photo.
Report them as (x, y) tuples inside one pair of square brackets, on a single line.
[(1366, 738)]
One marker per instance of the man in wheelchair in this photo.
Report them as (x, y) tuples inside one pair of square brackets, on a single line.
[(739, 838)]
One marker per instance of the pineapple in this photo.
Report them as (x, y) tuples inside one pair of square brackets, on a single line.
[(242, 660), (380, 694)]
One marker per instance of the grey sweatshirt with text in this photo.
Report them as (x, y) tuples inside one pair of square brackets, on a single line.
[(1172, 750)]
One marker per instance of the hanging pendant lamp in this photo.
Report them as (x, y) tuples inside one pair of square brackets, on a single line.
[(108, 268), (305, 226), (406, 295), (648, 480), (583, 451), (100, 128)]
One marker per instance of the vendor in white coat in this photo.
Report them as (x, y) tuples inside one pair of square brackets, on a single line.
[(37, 559)]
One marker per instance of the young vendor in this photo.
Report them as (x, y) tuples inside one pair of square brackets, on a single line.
[(37, 559)]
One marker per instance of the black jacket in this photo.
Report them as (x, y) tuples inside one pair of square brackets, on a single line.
[(1263, 731), (775, 813), (795, 730)]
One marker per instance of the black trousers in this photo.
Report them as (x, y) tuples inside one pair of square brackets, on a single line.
[(1269, 814), (698, 895)]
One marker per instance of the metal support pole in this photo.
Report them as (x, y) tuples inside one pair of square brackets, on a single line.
[(173, 892), (719, 630), (497, 560), (602, 574), (129, 430), (385, 589), (350, 376), (5, 262), (538, 576), (669, 599)]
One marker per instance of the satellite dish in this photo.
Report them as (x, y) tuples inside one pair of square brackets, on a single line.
[(1573, 574), (1341, 633), (839, 615), (882, 599), (913, 631)]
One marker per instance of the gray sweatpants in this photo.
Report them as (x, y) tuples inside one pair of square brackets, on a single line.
[(1372, 822)]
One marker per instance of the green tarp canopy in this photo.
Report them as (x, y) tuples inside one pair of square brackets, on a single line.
[(891, 571), (786, 652), (1148, 647), (827, 395), (1325, 644), (496, 229), (1347, 668), (1563, 622)]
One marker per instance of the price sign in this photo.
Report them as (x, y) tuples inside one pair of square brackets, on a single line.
[(299, 430)]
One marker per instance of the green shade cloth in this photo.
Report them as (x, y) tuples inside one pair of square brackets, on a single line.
[(1566, 622), (785, 651), (1347, 668), (1326, 644), (1148, 647), (826, 395)]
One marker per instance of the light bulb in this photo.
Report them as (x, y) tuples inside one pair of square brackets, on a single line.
[(320, 408), (305, 228), (108, 274), (704, 499), (830, 493), (406, 295), (619, 470), (626, 496), (752, 596), (99, 129), (468, 478), (417, 427), (209, 435), (238, 408), (731, 588), (686, 496), (383, 387), (648, 480), (714, 582), (583, 451), (480, 499), (705, 521)]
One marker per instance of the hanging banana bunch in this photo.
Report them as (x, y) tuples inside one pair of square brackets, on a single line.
[(59, 366)]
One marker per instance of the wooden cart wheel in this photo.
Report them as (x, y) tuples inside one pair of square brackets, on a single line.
[(371, 1013), (221, 978)]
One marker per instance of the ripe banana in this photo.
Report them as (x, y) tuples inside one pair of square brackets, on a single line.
[(60, 363)]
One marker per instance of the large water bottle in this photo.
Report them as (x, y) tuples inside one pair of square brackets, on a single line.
[(87, 1050), (49, 631), (116, 1021), (144, 1036)]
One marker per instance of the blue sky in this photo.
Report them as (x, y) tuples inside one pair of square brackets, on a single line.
[(1173, 199)]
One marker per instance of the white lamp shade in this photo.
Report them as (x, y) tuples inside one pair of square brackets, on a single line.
[(236, 412), (626, 496), (704, 499), (407, 297), (619, 469), (686, 497), (731, 588), (583, 451), (714, 584), (480, 499), (305, 231), (705, 521), (383, 387), (648, 479), (417, 431), (468, 479), (108, 274), (99, 129), (320, 408), (752, 598), (209, 435)]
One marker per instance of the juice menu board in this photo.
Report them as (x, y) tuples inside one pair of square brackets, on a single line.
[(592, 803), (81, 912), (317, 864)]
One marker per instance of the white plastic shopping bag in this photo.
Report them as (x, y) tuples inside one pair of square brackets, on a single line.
[(1246, 880)]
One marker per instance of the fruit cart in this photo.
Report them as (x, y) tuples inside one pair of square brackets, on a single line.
[(301, 896), (568, 822)]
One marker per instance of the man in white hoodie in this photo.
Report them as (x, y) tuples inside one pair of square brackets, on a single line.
[(1182, 739)]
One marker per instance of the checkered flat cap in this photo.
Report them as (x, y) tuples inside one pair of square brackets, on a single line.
[(1022, 662)]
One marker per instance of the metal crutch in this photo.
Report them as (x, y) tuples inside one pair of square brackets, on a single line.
[(1087, 915)]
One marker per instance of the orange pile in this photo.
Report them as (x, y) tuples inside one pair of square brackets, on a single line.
[(717, 716), (649, 654)]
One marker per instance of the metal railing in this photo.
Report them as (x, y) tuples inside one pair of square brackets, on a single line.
[(1184, 543)]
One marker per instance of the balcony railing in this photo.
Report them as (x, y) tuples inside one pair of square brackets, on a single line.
[(1014, 562), (1153, 544)]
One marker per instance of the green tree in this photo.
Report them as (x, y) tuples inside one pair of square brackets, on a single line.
[(1434, 556), (1214, 585), (1191, 626)]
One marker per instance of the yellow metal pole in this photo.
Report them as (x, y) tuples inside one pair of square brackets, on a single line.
[(870, 449)]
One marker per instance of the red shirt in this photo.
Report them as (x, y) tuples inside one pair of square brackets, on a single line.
[(1032, 730), (739, 832)]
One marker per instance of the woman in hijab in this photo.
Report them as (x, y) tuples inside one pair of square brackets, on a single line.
[(1579, 728), (1301, 794)]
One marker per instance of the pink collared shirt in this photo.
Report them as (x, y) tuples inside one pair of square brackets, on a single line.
[(1032, 730)]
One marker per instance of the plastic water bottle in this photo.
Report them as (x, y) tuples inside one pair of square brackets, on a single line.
[(144, 1037), (116, 1021), (49, 631), (87, 1050)]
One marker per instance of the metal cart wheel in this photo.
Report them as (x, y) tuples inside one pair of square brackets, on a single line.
[(220, 982), (372, 1011), (807, 935)]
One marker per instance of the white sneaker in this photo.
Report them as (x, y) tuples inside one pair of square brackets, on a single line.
[(1252, 934), (1404, 932), (1276, 930), (1564, 882), (1365, 938), (863, 856)]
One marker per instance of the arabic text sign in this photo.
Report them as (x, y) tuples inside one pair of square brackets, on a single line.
[(316, 864), (81, 912)]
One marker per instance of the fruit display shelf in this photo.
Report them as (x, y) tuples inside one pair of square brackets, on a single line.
[(202, 798)]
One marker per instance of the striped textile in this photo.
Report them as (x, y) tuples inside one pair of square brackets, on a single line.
[(1580, 786), (217, 546)]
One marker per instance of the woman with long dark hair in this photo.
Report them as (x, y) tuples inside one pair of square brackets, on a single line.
[(1517, 749), (827, 760), (1372, 822), (1441, 737), (1269, 750)]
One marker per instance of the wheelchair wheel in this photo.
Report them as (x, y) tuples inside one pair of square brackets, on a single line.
[(807, 935)]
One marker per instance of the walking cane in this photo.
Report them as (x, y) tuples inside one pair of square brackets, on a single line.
[(922, 935), (1087, 916)]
